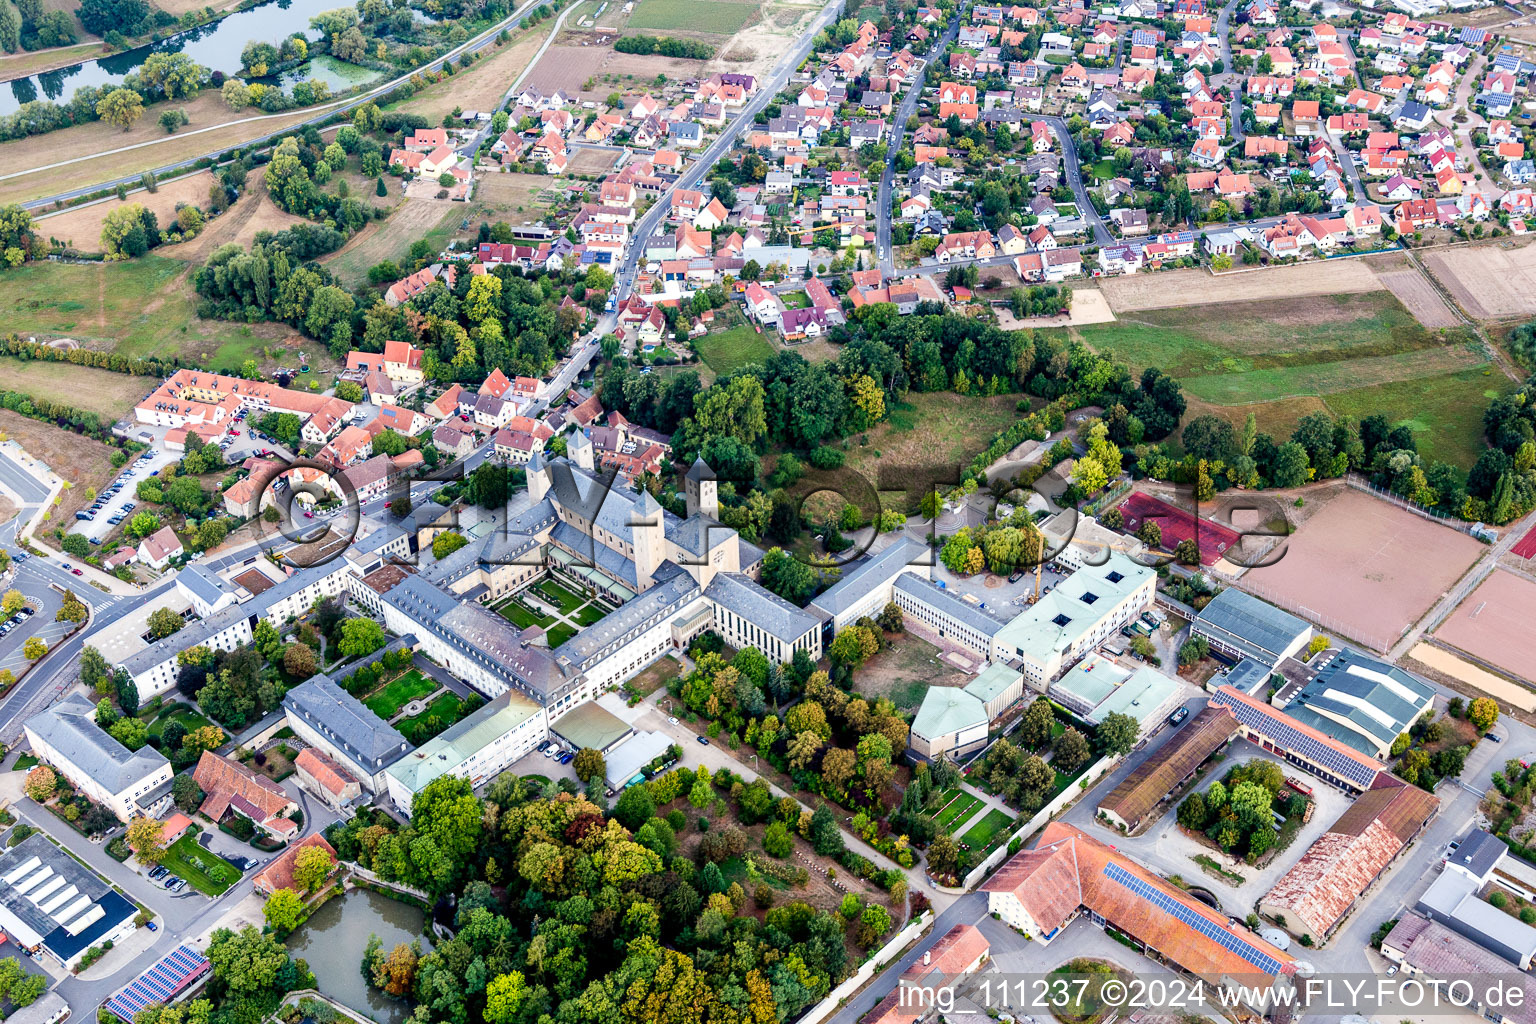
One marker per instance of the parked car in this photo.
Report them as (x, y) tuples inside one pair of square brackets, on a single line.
[(567, 758), (159, 872), (151, 926), (77, 572), (703, 740), (1178, 716)]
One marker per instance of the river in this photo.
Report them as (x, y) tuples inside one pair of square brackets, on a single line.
[(216, 46), (333, 943)]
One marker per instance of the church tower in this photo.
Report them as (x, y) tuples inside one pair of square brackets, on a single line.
[(647, 539), (699, 486), (538, 477)]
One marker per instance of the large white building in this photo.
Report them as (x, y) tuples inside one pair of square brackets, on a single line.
[(479, 748), (1080, 613), (326, 716), (127, 782)]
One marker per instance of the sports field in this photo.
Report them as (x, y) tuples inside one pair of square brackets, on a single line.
[(1178, 524), (1364, 568), (712, 17), (1494, 624), (1352, 354)]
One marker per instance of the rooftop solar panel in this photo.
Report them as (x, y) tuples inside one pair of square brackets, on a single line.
[(1199, 922), (1294, 739), (159, 983)]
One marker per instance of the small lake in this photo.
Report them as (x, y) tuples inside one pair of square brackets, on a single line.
[(217, 47), (333, 940), (338, 75)]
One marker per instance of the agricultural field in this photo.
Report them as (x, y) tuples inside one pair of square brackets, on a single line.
[(515, 198), (484, 84), (709, 17), (726, 351), (592, 72), (143, 307), (1198, 287), (1489, 281), (103, 392), (1356, 354), (82, 461)]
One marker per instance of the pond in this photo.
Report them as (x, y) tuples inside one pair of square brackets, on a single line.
[(217, 47), (333, 940), (338, 75)]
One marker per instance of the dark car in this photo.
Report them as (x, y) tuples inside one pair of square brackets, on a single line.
[(1178, 716), (703, 740)]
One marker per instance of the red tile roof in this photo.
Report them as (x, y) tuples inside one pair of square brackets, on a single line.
[(279, 874)]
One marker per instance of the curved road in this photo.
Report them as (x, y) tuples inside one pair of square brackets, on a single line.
[(480, 42)]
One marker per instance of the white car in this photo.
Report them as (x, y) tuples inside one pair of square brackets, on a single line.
[(672, 721)]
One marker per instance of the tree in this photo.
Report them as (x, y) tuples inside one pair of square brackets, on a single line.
[(34, 648), (121, 107), (1070, 751), (284, 910), (1187, 552), (1193, 814), (1150, 534), (299, 660), (1483, 713), (12, 603), (163, 622), (311, 867), (777, 842), (146, 837), (248, 961), (94, 669), (187, 794), (589, 765), (41, 783), (943, 855), (504, 998), (1117, 733), (360, 637), (170, 120)]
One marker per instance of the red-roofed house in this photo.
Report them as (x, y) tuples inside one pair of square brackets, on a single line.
[(279, 874), (231, 786)]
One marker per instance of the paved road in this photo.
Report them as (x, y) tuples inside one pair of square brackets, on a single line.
[(17, 481), (768, 88), (480, 42), (1101, 235), (898, 134), (1224, 40)]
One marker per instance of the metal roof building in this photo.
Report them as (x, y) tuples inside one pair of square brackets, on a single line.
[(51, 903), (1336, 763), (1144, 789), (1239, 625), (1361, 701), (331, 718), (1452, 900)]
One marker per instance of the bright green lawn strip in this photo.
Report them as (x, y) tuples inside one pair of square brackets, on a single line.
[(208, 874), (386, 703)]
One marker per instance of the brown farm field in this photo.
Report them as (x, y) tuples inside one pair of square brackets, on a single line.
[(591, 161), (241, 223), (1197, 287), (82, 461), (483, 85), (1363, 567), (103, 392), (1494, 624), (513, 197), (81, 226), (1489, 281), (570, 67), (1419, 297)]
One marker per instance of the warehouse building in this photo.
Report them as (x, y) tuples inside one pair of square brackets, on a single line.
[(52, 905), (1141, 793), (1336, 763), (1239, 625), (1429, 949), (1315, 896), (1068, 873), (1454, 900), (1361, 701)]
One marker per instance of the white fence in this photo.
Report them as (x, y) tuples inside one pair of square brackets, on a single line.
[(1096, 771), (871, 967)]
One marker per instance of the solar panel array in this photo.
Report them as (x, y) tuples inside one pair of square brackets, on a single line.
[(170, 975), (1199, 922), (1298, 742)]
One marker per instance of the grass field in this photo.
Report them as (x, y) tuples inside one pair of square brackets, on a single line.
[(730, 350), (558, 595), (713, 17), (439, 715), (389, 239), (1349, 354), (589, 614), (515, 612), (958, 809), (143, 307), (386, 703), (928, 430), (189, 717), (560, 634), (85, 387), (980, 835), (208, 874)]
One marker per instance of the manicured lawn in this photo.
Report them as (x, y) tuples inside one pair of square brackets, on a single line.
[(958, 809), (655, 676), (208, 874), (439, 715), (188, 716), (566, 601), (730, 350), (387, 702), (515, 612), (24, 762), (795, 300), (980, 835), (560, 634), (716, 17), (589, 614)]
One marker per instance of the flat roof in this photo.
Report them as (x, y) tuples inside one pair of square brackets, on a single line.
[(1079, 602), (446, 752), (591, 725)]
